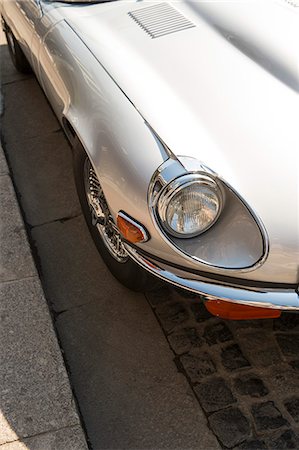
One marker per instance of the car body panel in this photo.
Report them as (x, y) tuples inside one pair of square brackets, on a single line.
[(214, 101)]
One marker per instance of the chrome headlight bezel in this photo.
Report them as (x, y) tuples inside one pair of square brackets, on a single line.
[(176, 186), (211, 248)]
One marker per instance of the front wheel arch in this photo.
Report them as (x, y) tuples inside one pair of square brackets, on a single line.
[(130, 274)]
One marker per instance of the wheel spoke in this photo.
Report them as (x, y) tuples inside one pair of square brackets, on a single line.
[(101, 217)]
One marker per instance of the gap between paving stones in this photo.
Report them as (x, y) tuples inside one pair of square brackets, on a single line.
[(34, 435), (60, 219)]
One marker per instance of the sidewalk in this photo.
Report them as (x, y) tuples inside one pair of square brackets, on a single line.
[(37, 408)]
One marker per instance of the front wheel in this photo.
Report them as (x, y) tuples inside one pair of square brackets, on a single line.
[(103, 229), (18, 58)]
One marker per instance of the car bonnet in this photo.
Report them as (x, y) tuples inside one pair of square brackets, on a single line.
[(219, 83)]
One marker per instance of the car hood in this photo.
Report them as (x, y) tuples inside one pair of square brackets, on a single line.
[(223, 90)]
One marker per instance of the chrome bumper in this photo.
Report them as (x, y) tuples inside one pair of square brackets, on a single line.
[(283, 299)]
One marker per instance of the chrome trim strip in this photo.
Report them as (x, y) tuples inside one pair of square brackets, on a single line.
[(142, 230), (286, 299)]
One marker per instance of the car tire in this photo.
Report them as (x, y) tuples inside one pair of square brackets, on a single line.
[(124, 269), (17, 56)]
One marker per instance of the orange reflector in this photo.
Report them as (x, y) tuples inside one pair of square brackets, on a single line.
[(235, 311), (130, 231)]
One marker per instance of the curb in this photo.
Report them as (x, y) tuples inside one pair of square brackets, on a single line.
[(38, 409)]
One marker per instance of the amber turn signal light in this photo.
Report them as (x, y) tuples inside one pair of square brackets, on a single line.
[(237, 311), (131, 230)]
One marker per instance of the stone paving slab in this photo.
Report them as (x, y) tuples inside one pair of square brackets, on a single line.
[(66, 439), (129, 390), (51, 193), (15, 256), (35, 391), (73, 273), (27, 110)]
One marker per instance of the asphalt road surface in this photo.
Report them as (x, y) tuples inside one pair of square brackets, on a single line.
[(148, 371)]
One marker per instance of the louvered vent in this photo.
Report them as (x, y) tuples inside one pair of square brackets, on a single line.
[(161, 19)]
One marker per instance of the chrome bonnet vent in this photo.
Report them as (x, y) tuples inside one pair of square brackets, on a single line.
[(160, 20)]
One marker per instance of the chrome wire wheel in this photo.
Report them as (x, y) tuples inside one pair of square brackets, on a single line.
[(100, 215), (103, 230)]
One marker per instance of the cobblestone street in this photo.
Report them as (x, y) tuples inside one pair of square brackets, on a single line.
[(244, 374), (148, 371)]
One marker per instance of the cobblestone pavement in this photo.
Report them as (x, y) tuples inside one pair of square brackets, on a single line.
[(244, 373)]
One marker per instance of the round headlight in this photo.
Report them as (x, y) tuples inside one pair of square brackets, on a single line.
[(190, 205)]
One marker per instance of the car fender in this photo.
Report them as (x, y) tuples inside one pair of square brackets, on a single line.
[(121, 146)]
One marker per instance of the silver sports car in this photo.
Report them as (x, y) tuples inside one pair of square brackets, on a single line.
[(183, 118)]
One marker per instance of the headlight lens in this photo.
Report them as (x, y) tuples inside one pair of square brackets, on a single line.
[(190, 206)]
